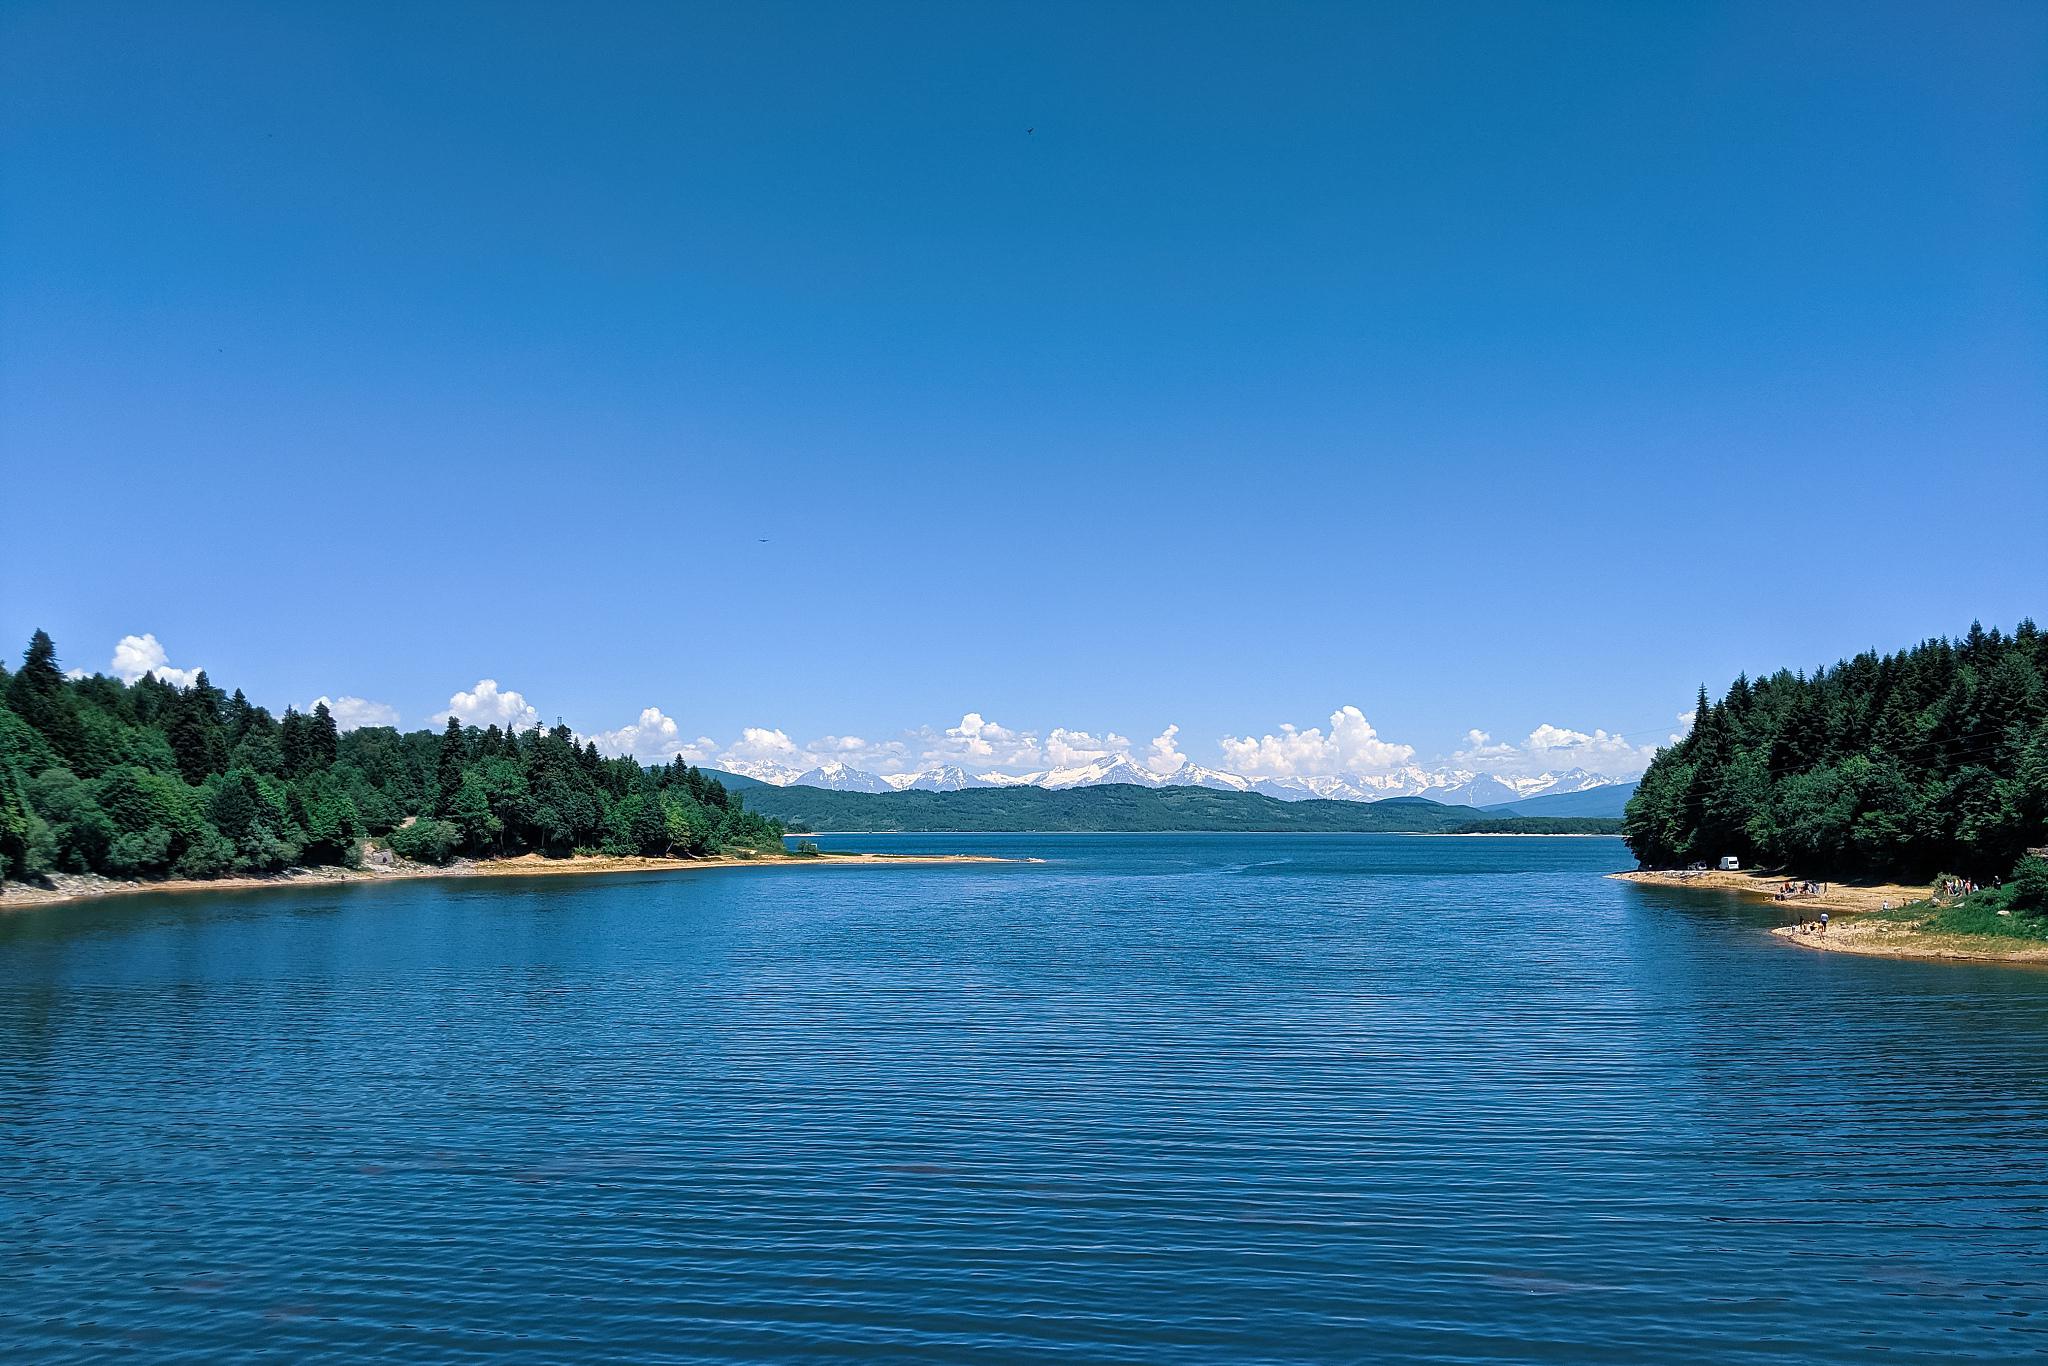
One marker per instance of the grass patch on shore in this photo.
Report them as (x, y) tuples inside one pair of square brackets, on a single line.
[(1979, 913), (1911, 913), (1966, 918)]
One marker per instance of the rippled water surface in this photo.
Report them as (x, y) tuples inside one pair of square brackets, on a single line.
[(1155, 1098)]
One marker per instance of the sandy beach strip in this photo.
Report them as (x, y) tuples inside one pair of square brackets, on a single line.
[(74, 887), (1852, 897), (1879, 919), (1887, 938)]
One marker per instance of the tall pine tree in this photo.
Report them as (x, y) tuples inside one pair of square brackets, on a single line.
[(323, 740), (197, 733), (37, 695), (448, 771)]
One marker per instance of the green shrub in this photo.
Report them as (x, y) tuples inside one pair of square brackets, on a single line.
[(208, 855), (2029, 887), (261, 851), (139, 853), (425, 841)]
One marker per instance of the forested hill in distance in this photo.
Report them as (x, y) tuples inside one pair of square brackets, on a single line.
[(1109, 808), (1609, 801), (1903, 766)]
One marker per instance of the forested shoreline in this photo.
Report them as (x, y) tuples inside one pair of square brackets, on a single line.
[(1127, 808), (149, 780), (1930, 760)]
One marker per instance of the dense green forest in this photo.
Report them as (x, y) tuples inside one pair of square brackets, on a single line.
[(1933, 759), (1541, 825), (149, 780), (1112, 807)]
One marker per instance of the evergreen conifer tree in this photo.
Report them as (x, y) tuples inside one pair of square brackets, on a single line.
[(36, 694), (294, 740), (448, 772), (197, 734), (323, 740)]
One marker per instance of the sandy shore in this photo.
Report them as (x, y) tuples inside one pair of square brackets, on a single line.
[(18, 896), (1888, 938), (1852, 897), (1882, 919)]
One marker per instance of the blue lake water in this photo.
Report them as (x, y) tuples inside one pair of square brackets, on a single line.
[(1176, 1098)]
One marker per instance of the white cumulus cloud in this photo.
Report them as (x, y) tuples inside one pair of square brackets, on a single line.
[(145, 654), (1164, 757), (1555, 747), (700, 751), (870, 756), (1069, 748), (976, 742), (653, 735), (487, 704), (763, 744), (353, 713), (1351, 745)]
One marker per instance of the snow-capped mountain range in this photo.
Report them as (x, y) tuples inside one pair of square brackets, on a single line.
[(1451, 786)]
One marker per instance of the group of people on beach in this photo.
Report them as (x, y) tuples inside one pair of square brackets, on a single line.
[(1819, 926), (1787, 890), (1952, 887)]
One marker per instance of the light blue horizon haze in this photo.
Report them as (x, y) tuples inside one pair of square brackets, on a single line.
[(846, 370)]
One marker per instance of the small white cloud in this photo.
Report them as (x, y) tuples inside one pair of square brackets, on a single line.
[(1560, 740), (145, 654), (653, 736), (1165, 757), (1070, 748), (700, 751), (977, 735), (489, 705), (976, 742), (762, 744), (1554, 747), (1481, 750), (1350, 746), (353, 713), (885, 756)]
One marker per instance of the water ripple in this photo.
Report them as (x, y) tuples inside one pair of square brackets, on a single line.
[(1163, 1099)]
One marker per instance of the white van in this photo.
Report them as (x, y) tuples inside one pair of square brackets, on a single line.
[(1730, 864)]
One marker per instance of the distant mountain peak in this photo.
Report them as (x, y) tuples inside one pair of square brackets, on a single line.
[(835, 776), (1449, 786), (763, 771)]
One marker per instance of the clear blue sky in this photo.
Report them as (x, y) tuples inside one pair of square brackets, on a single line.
[(1480, 366)]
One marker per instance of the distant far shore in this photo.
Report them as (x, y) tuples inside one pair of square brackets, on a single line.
[(1505, 834), (21, 896), (1404, 834), (1877, 919)]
